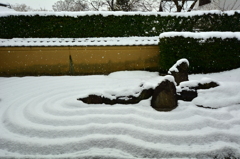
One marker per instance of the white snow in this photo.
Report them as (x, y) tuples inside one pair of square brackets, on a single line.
[(226, 95), (115, 13), (202, 35), (6, 10), (168, 78), (40, 117), (120, 41)]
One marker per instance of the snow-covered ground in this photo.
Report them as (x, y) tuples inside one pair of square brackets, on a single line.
[(40, 117)]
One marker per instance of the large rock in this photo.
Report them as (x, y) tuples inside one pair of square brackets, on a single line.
[(180, 71), (99, 99), (164, 96)]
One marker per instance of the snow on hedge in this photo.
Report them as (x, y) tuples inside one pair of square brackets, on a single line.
[(121, 41), (115, 13), (202, 35), (231, 12)]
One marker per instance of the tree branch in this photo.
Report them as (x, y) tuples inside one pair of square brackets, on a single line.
[(192, 6), (94, 6)]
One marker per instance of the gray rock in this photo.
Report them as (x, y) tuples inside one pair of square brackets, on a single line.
[(164, 96), (92, 99), (98, 99), (187, 95), (180, 71), (206, 85)]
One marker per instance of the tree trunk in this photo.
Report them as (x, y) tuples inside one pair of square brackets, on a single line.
[(179, 8), (203, 2), (192, 6), (160, 7)]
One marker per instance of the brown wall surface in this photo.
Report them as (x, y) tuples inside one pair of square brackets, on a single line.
[(81, 60)]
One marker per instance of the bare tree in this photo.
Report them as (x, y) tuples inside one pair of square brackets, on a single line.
[(167, 6), (70, 5), (81, 5), (21, 7), (111, 5), (98, 5), (180, 5), (146, 5), (124, 5), (61, 6), (121, 5), (25, 8), (128, 5), (40, 9), (5, 5)]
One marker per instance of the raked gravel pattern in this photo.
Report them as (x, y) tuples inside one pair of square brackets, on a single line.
[(40, 117)]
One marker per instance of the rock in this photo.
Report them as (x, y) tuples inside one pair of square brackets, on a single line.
[(187, 95), (187, 90), (180, 71), (92, 99), (96, 99), (164, 96), (206, 85)]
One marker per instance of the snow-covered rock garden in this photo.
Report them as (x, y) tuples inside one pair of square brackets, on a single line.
[(42, 116)]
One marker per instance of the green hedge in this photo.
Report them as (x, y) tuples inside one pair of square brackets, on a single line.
[(210, 55), (53, 26)]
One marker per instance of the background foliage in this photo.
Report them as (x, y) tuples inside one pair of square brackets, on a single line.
[(210, 55), (25, 26)]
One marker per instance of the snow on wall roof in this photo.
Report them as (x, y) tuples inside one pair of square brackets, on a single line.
[(123, 41), (202, 35), (115, 13), (118, 41)]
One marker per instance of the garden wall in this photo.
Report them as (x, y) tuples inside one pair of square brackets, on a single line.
[(76, 60)]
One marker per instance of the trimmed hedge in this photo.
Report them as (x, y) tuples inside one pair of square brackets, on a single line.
[(209, 55), (126, 25)]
